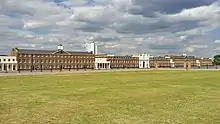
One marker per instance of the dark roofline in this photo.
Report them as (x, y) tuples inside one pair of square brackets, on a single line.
[(49, 51)]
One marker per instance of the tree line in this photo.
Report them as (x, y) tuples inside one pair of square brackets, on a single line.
[(216, 60)]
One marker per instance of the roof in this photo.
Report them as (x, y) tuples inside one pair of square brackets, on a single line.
[(121, 57), (32, 51), (160, 58)]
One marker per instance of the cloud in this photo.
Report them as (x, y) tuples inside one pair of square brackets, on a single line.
[(217, 41), (118, 26), (199, 13), (192, 48)]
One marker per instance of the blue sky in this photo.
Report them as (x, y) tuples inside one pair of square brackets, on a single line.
[(120, 27), (215, 33)]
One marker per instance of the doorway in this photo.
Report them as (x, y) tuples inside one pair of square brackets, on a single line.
[(144, 64)]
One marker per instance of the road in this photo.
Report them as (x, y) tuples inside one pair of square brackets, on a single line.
[(93, 71)]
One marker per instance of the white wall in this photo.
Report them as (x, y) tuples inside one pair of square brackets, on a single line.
[(172, 63), (104, 63), (96, 50), (101, 60), (144, 58), (91, 47), (8, 60)]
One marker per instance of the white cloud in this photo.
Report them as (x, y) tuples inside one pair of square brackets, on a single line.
[(33, 24), (199, 13), (119, 26), (217, 41)]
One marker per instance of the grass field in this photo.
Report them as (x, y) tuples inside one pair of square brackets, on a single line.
[(145, 97)]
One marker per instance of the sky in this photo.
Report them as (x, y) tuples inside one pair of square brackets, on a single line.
[(121, 27)]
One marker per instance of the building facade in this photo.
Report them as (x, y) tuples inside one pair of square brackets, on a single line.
[(102, 62), (8, 63), (123, 61), (179, 62), (59, 59), (52, 59), (160, 62), (144, 60)]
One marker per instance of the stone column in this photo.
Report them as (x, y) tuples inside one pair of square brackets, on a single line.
[(16, 67), (148, 64), (3, 67), (12, 67), (96, 66), (109, 66), (7, 67)]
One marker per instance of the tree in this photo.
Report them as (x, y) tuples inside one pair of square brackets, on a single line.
[(217, 60)]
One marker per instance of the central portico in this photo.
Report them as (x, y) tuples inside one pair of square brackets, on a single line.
[(101, 62)]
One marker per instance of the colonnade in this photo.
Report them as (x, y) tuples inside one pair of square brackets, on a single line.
[(8, 67), (102, 65)]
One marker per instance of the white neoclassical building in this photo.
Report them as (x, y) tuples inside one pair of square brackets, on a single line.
[(101, 62), (8, 63), (144, 60)]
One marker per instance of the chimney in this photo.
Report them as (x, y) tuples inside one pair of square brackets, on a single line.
[(60, 47)]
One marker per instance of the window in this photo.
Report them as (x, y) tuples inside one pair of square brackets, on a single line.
[(4, 60), (13, 60)]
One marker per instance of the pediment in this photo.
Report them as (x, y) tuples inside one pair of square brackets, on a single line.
[(61, 52)]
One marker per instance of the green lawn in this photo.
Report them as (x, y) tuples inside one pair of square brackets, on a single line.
[(144, 97)]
